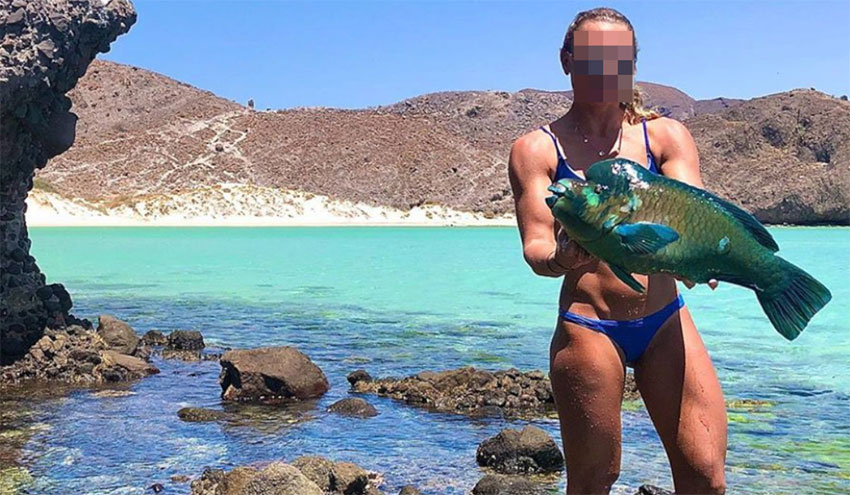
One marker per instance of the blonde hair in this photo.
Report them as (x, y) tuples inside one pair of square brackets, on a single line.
[(635, 111)]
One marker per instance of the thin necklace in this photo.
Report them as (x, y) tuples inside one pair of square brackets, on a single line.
[(585, 139)]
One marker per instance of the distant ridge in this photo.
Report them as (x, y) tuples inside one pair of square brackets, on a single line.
[(142, 134)]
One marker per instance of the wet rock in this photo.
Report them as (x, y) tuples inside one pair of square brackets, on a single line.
[(409, 490), (113, 362), (154, 338), (46, 46), (495, 484), (198, 414), (185, 340), (74, 356), (117, 334), (316, 469), (353, 407), (275, 479), (270, 373), (349, 478), (180, 478), (530, 451), (652, 490), (358, 376), (505, 393)]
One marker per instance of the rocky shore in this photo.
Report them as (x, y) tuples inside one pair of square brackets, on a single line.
[(508, 393)]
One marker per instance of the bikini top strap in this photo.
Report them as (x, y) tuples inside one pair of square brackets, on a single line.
[(650, 161), (554, 141)]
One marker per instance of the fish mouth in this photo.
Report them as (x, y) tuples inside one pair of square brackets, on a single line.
[(558, 189)]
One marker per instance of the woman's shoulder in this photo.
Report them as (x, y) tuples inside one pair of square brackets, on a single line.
[(533, 151), (664, 129)]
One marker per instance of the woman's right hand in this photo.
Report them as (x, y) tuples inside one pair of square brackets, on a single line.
[(569, 255)]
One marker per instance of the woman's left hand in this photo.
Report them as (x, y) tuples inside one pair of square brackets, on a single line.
[(690, 284)]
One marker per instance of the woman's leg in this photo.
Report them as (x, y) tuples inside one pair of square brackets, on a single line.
[(587, 376), (682, 394)]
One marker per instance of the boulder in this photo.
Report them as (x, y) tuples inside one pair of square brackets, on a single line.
[(353, 406), (117, 334), (358, 376), (279, 479), (409, 490), (134, 366), (270, 373), (652, 490), (495, 484), (185, 340), (529, 451)]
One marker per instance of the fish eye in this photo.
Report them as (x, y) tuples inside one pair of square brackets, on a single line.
[(598, 188)]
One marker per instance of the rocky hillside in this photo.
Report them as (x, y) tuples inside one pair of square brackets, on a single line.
[(142, 134)]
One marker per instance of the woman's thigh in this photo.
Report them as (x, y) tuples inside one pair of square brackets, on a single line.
[(679, 386), (587, 377)]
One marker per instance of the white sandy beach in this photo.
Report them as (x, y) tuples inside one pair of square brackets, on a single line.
[(234, 205)]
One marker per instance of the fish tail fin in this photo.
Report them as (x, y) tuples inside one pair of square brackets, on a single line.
[(790, 304)]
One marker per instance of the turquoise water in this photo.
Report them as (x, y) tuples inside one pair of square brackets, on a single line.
[(397, 301)]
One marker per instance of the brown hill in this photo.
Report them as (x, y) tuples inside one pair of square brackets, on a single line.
[(142, 133)]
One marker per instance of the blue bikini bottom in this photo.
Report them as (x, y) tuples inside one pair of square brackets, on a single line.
[(632, 336)]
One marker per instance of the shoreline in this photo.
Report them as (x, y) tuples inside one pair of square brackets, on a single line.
[(258, 207)]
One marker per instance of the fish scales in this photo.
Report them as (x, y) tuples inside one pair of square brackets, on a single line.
[(641, 222)]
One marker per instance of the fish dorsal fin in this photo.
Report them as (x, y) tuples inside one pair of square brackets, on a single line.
[(621, 174)]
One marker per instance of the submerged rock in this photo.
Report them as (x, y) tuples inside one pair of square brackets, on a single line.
[(353, 407), (530, 451), (497, 484), (508, 393), (198, 414), (307, 475), (270, 373)]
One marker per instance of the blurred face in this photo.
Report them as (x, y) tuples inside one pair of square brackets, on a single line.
[(602, 63)]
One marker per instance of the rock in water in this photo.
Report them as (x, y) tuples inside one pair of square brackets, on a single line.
[(270, 373), (185, 340), (47, 46), (354, 406), (118, 335), (496, 484), (530, 451)]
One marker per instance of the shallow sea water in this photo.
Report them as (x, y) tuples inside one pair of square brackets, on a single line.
[(396, 301)]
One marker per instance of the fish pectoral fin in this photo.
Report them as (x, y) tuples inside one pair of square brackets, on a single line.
[(627, 278), (645, 237)]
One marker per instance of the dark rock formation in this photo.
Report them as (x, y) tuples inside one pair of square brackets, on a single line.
[(185, 340), (74, 356), (46, 47), (509, 393), (354, 406), (652, 490), (307, 475), (409, 490), (497, 484), (530, 451), (154, 338), (270, 373), (198, 414), (357, 376), (118, 335)]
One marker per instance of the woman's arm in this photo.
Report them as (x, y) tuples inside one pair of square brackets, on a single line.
[(529, 177), (679, 160)]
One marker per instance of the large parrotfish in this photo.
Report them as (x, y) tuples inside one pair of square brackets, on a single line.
[(641, 222)]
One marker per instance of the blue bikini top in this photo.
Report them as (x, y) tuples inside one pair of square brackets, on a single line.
[(564, 169)]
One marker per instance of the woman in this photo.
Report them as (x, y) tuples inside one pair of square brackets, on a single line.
[(591, 345)]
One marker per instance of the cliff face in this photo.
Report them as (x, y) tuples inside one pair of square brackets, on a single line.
[(45, 47), (784, 157)]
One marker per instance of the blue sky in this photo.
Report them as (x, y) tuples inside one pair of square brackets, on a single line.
[(357, 54)]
